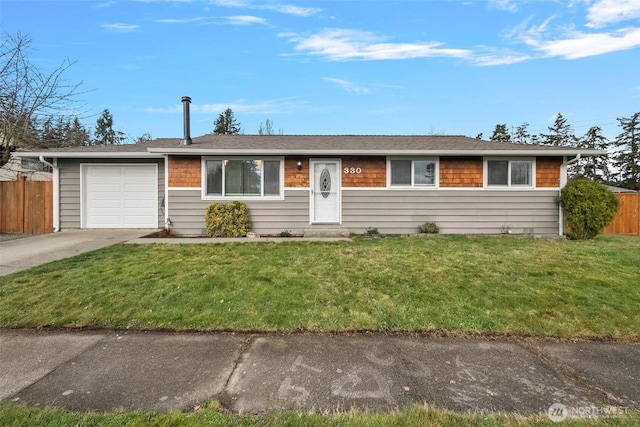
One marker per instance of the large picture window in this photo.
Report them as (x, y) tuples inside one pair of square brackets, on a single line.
[(238, 178), (509, 173), (413, 173)]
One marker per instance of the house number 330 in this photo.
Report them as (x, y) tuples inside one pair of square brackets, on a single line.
[(352, 170)]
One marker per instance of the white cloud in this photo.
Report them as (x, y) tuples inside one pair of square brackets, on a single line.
[(120, 28), (506, 5), (273, 106), (345, 45), (582, 45), (531, 36), (604, 12), (493, 57), (182, 21), (347, 85), (276, 7), (245, 20)]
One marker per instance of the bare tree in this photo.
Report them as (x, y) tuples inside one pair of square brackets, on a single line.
[(30, 97), (267, 129)]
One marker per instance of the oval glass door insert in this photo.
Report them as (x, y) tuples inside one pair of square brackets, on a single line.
[(325, 183)]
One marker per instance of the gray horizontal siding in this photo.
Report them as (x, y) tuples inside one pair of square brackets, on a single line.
[(268, 217), (390, 211), (70, 188), (454, 211)]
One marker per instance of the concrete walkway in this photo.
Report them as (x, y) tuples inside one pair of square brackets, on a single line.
[(257, 373), (28, 252)]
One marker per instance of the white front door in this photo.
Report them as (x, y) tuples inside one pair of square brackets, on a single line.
[(325, 191)]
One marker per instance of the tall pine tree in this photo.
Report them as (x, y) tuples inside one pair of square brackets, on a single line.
[(627, 159), (104, 133), (560, 134), (500, 134), (226, 124)]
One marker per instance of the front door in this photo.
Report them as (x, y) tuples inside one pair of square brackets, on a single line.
[(325, 191)]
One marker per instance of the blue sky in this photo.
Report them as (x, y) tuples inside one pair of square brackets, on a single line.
[(343, 67)]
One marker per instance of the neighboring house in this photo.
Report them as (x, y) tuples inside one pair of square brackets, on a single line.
[(24, 167), (304, 183)]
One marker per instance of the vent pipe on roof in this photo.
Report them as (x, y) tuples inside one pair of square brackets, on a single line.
[(186, 117)]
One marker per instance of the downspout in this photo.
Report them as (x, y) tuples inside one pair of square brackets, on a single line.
[(56, 191), (167, 220), (563, 182)]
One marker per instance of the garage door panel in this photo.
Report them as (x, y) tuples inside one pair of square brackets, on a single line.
[(120, 196)]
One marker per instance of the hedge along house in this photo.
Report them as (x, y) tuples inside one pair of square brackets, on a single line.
[(303, 184)]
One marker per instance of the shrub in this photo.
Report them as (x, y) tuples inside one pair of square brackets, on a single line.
[(372, 231), (228, 219), (429, 227), (588, 208)]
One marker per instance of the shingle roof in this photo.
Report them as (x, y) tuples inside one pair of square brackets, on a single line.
[(315, 145)]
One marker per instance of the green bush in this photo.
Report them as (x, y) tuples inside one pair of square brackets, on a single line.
[(228, 219), (429, 227), (588, 208)]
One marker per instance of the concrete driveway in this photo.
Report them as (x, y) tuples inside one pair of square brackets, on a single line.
[(22, 254)]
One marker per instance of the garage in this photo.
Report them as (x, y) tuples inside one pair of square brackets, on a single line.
[(119, 195)]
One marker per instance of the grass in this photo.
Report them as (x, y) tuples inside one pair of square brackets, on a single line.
[(18, 415), (502, 285)]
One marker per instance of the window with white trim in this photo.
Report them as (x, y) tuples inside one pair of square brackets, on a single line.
[(413, 172), (509, 172), (242, 178)]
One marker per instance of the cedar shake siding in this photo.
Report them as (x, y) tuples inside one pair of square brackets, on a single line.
[(461, 172), (294, 177), (184, 171), (361, 171), (548, 172), (70, 187)]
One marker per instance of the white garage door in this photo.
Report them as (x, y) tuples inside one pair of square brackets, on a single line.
[(119, 196)]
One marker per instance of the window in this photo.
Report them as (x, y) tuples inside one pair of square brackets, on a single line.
[(509, 173), (239, 178), (412, 173)]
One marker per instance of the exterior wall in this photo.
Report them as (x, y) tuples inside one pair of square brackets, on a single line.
[(292, 176), (454, 211), (268, 217), (548, 172), (70, 188), (461, 172), (459, 206), (184, 171), (361, 171)]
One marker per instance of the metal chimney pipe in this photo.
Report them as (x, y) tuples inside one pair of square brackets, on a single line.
[(186, 120)]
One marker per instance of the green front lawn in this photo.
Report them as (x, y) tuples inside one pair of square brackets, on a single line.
[(470, 284), (16, 415)]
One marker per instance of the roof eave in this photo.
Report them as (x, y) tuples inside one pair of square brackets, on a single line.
[(329, 152), (89, 154)]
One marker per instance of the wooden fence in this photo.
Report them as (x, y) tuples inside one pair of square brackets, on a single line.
[(26, 207), (627, 221)]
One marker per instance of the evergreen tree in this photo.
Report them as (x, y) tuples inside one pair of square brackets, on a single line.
[(521, 135), (226, 124), (627, 159), (595, 168), (500, 134), (77, 134), (560, 134), (104, 133)]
